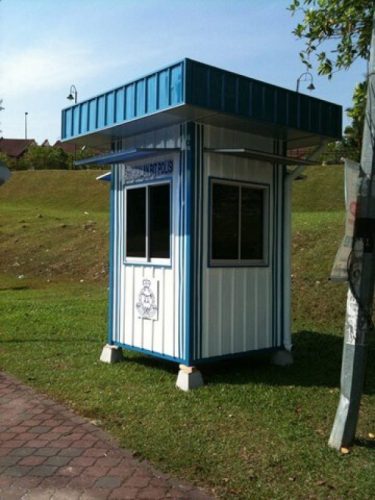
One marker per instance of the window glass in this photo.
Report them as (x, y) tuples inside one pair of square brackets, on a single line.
[(237, 223), (251, 223), (136, 222), (225, 212), (159, 221)]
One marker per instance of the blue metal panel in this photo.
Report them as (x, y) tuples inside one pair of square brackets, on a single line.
[(244, 97), (68, 122), (257, 99), (120, 105), (92, 114), (130, 101), (176, 85), (281, 105), (163, 83), (141, 98), (151, 94), (228, 92), (269, 107), (110, 108), (101, 112), (215, 95), (76, 120), (84, 117)]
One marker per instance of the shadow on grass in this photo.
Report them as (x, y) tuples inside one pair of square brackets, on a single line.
[(365, 443), (317, 363), (15, 288)]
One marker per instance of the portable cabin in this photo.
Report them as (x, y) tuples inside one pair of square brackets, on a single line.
[(201, 169)]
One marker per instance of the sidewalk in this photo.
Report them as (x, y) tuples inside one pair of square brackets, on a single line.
[(48, 452)]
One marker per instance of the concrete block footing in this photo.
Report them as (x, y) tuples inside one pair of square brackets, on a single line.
[(282, 358), (189, 377), (111, 354)]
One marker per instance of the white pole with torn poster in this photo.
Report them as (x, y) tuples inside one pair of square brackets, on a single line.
[(360, 272), (340, 266)]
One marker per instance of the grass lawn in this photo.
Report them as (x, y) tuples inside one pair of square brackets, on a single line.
[(254, 430)]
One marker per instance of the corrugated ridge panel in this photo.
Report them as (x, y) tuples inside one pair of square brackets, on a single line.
[(152, 93), (203, 87), (227, 92)]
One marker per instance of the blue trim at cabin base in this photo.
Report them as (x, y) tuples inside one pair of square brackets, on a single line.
[(196, 362)]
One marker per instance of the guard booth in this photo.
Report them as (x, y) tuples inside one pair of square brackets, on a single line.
[(202, 162)]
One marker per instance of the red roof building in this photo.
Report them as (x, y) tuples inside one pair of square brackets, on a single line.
[(15, 148), (68, 148)]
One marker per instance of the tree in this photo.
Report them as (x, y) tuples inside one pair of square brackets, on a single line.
[(41, 158), (353, 133), (342, 25)]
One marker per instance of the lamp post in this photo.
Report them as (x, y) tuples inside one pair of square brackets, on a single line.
[(26, 113), (304, 77), (73, 94)]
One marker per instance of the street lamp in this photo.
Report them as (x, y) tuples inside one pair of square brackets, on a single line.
[(26, 113), (305, 77), (73, 94)]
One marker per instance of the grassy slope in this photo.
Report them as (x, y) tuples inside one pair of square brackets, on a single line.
[(253, 431), (54, 226)]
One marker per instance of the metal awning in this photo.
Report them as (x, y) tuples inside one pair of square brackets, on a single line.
[(259, 155), (104, 177), (126, 155)]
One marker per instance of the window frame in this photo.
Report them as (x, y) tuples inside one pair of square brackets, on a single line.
[(147, 260), (264, 262)]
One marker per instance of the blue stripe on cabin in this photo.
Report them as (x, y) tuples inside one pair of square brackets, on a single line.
[(111, 261), (148, 352)]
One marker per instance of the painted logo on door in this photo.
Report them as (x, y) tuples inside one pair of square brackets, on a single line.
[(147, 303)]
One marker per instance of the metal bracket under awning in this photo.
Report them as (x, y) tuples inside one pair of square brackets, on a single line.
[(126, 155), (259, 155)]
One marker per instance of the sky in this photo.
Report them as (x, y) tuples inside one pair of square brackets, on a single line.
[(48, 45)]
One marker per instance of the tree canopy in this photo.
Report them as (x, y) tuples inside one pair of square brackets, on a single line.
[(337, 32)]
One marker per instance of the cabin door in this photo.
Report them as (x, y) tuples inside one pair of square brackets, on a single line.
[(151, 284)]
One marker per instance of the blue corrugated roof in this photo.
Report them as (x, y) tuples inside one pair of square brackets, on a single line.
[(185, 91)]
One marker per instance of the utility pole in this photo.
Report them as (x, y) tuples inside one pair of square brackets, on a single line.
[(361, 280)]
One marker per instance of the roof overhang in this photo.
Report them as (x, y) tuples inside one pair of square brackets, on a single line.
[(121, 157), (125, 156), (104, 177), (259, 155), (103, 138)]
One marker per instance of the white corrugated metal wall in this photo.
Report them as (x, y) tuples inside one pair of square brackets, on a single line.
[(240, 306)]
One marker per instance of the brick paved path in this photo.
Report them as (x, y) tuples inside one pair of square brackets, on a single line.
[(48, 452)]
